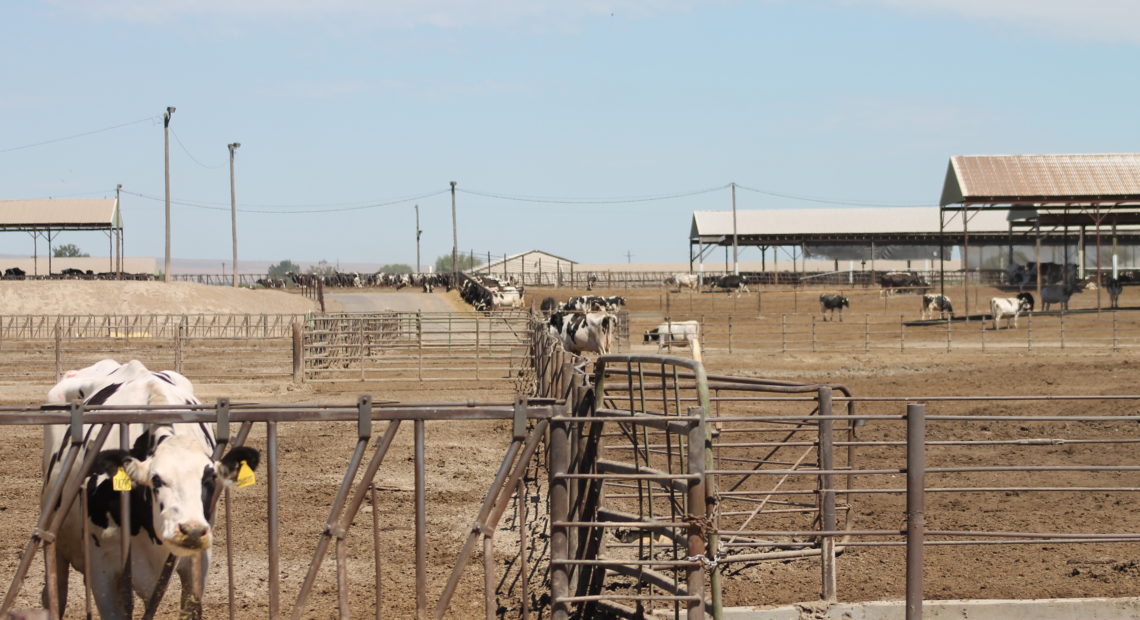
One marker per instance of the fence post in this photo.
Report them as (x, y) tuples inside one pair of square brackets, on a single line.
[(419, 345), (759, 303), (1062, 329), (983, 324), (179, 337), (730, 333), (813, 333), (559, 514), (915, 506), (58, 349), (949, 338), (783, 333), (1029, 332), (866, 332), (902, 333), (827, 496), (1115, 343), (298, 348), (476, 348)]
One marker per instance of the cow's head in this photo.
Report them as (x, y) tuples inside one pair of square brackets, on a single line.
[(175, 478)]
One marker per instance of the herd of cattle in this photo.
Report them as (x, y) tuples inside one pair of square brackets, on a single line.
[(15, 273)]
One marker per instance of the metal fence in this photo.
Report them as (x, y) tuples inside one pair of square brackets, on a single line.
[(415, 346), (786, 475), (360, 485)]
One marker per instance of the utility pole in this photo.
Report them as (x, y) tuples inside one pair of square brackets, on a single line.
[(628, 257), (418, 233), (735, 251), (166, 151), (454, 241), (118, 246), (233, 207)]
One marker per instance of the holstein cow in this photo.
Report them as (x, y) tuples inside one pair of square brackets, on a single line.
[(731, 282), (1008, 308), (932, 303), (584, 331), (680, 280), (172, 474), (674, 332), (830, 302)]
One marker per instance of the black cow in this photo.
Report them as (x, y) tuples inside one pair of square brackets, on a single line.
[(14, 273), (731, 282), (830, 302), (902, 282)]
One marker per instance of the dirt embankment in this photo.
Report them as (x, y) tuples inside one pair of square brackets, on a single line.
[(105, 297)]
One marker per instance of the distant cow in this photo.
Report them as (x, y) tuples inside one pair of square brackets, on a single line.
[(1114, 287), (731, 282), (1030, 303), (584, 331), (932, 303), (1058, 294), (830, 302), (674, 332), (902, 281), (1008, 308), (680, 280)]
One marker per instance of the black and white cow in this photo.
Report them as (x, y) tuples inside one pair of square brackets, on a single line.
[(172, 473), (679, 280), (830, 302), (1008, 308), (584, 331), (932, 303), (731, 282)]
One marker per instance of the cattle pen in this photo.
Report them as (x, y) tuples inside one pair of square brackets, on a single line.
[(662, 489)]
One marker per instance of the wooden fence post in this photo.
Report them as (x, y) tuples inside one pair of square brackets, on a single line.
[(866, 332), (783, 333), (730, 333), (902, 334), (1029, 332), (58, 350), (1062, 329)]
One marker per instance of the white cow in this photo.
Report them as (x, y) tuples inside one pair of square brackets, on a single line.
[(674, 333), (584, 331), (171, 470), (679, 280), (1008, 308)]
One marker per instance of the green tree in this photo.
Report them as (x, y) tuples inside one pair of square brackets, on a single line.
[(282, 268), (466, 262), (68, 250), (396, 268)]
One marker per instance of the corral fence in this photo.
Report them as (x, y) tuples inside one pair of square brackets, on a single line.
[(415, 346), (1085, 330), (364, 488), (207, 346), (665, 483)]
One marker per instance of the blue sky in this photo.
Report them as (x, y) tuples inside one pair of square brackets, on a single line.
[(589, 129)]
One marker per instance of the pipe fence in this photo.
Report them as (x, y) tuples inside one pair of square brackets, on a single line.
[(255, 572)]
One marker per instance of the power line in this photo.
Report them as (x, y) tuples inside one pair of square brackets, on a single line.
[(591, 201), (78, 135), (191, 155), (851, 203), (214, 207)]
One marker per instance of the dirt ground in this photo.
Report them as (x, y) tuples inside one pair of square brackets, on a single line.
[(462, 458)]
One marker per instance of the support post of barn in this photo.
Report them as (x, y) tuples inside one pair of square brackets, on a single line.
[(915, 506)]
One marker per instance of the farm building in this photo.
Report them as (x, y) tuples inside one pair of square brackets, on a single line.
[(532, 265), (47, 218)]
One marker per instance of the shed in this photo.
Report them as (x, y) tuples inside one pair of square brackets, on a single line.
[(48, 217)]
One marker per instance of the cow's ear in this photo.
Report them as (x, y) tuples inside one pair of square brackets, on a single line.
[(108, 462), (230, 464)]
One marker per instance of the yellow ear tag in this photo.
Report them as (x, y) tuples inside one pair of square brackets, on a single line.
[(121, 481), (245, 476)]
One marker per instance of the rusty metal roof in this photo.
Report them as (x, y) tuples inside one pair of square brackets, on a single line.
[(1048, 179), (62, 214)]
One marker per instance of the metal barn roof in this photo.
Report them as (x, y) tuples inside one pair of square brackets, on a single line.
[(918, 224), (1050, 179), (66, 214)]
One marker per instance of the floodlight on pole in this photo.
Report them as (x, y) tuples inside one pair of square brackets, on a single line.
[(233, 207)]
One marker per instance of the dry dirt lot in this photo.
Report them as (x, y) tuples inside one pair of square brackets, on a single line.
[(462, 457)]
